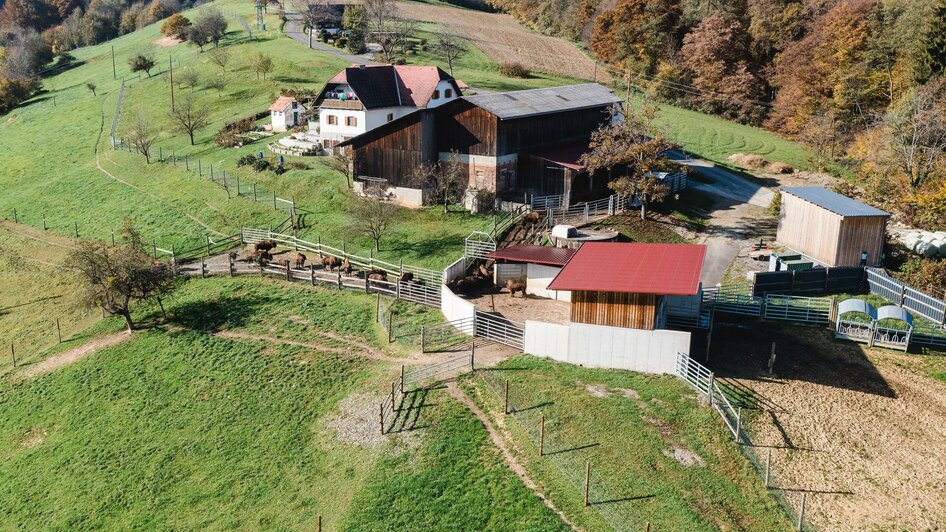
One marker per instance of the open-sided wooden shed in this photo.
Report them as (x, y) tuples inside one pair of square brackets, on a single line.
[(624, 284), (832, 229)]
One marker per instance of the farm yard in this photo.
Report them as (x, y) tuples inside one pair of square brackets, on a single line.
[(860, 430)]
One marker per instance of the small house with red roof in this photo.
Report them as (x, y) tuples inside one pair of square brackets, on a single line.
[(363, 97), (286, 113), (628, 284), (536, 265)]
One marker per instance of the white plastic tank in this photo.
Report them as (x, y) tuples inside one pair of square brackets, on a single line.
[(564, 231)]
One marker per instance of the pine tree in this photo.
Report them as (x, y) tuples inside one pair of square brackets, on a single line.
[(936, 42)]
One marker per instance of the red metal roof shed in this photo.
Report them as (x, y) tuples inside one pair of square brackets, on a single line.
[(666, 269), (534, 254)]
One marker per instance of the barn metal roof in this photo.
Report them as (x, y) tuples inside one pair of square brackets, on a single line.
[(519, 104), (667, 269), (535, 254), (834, 202)]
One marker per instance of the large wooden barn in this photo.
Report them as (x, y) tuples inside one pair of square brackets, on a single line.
[(509, 143), (624, 285), (832, 229)]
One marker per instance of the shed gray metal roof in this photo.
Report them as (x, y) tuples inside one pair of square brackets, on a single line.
[(519, 104), (834, 202)]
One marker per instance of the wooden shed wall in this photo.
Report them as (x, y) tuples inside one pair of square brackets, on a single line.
[(827, 237), (808, 228), (543, 130), (861, 233), (617, 309), (466, 129), (394, 155)]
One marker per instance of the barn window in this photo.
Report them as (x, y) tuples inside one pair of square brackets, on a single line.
[(436, 95), (351, 121), (448, 93), (390, 117), (331, 120)]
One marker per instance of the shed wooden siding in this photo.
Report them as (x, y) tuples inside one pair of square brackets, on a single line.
[(394, 155), (466, 129), (544, 130), (617, 309), (827, 237)]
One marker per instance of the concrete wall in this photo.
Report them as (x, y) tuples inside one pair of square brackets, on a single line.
[(539, 276), (508, 271), (454, 307), (599, 346), (454, 271)]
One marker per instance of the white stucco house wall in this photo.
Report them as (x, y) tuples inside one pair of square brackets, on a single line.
[(363, 97), (286, 113)]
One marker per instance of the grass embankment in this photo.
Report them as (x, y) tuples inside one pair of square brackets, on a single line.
[(181, 428), (656, 456)]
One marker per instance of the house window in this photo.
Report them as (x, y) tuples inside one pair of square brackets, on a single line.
[(390, 117), (331, 120), (448, 93), (295, 105), (351, 121), (436, 95)]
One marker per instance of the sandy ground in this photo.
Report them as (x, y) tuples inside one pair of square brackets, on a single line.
[(519, 309), (166, 42), (858, 430)]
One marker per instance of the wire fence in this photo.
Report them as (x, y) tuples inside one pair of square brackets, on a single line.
[(66, 328)]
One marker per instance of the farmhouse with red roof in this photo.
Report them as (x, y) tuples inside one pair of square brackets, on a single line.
[(627, 284)]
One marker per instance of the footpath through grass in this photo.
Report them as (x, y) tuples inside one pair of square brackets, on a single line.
[(656, 456)]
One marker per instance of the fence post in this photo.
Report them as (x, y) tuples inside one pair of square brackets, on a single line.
[(382, 419), (738, 424), (542, 435), (13, 354), (212, 173), (288, 277), (173, 159), (15, 219), (393, 404), (45, 227), (472, 354), (254, 191), (402, 379), (772, 359), (274, 201), (187, 164), (377, 308), (801, 512), (768, 467), (237, 180), (391, 315), (232, 266), (318, 524), (200, 170), (154, 247), (312, 274), (338, 276), (203, 268), (208, 245), (423, 338), (709, 392), (76, 224), (160, 154), (58, 331), (587, 480), (506, 398), (113, 237)]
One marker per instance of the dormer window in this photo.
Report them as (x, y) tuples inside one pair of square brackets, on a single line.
[(295, 105), (448, 93), (436, 95)]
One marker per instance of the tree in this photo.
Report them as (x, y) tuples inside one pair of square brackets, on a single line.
[(936, 41), (444, 178), (374, 217), (386, 28), (449, 47), (188, 78), (916, 131), (353, 20), (212, 24), (91, 86), (159, 9), (142, 135), (314, 14), (342, 162), (190, 114), (262, 64), (217, 83), (176, 26), (142, 61), (626, 149), (115, 276), (220, 57)]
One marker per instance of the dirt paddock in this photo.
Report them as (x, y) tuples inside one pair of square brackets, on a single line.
[(519, 308), (862, 431)]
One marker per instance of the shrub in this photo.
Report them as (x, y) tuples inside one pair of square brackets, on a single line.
[(279, 169), (246, 160), (514, 70), (924, 273), (775, 206), (261, 165), (230, 135), (176, 26)]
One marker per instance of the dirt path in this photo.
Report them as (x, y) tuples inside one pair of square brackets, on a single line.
[(73, 355), (500, 442)]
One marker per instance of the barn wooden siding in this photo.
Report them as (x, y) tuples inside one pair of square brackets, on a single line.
[(617, 309), (394, 155), (827, 237), (466, 129)]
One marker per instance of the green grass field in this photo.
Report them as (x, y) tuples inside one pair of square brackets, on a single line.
[(628, 426), (179, 428)]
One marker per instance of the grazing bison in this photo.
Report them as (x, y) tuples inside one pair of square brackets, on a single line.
[(300, 260), (265, 245), (233, 256), (407, 277), (516, 285), (262, 257), (376, 277), (346, 267), (330, 263)]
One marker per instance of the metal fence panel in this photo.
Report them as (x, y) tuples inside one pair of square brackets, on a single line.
[(798, 308), (499, 329)]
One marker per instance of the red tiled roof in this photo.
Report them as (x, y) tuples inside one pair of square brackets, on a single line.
[(535, 254), (667, 269), (282, 103), (375, 84)]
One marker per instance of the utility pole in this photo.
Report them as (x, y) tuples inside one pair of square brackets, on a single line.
[(114, 74), (171, 79)]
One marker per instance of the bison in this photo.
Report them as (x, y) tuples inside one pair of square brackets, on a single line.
[(330, 263), (376, 277), (300, 260), (265, 245), (531, 219), (484, 271), (233, 256), (407, 277), (346, 267), (516, 285)]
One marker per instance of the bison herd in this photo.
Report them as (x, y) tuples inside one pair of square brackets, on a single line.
[(261, 254)]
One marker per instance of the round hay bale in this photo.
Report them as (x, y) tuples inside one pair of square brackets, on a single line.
[(747, 160), (927, 249)]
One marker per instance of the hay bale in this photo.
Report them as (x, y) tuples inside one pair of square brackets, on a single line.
[(779, 168), (747, 160)]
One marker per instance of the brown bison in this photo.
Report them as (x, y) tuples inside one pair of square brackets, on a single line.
[(330, 263), (376, 277), (262, 257), (407, 277), (484, 271), (531, 219), (346, 267), (265, 245), (516, 285), (233, 256), (300, 260)]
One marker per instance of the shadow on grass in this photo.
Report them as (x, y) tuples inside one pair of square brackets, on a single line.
[(224, 313), (622, 499), (33, 302), (573, 449)]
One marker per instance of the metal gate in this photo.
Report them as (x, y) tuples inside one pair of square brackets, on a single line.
[(734, 301), (498, 329), (798, 308), (477, 245)]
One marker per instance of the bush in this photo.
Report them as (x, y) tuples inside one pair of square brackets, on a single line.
[(775, 206), (924, 274), (514, 70), (279, 169), (485, 201), (341, 42), (230, 135), (261, 165), (247, 160)]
